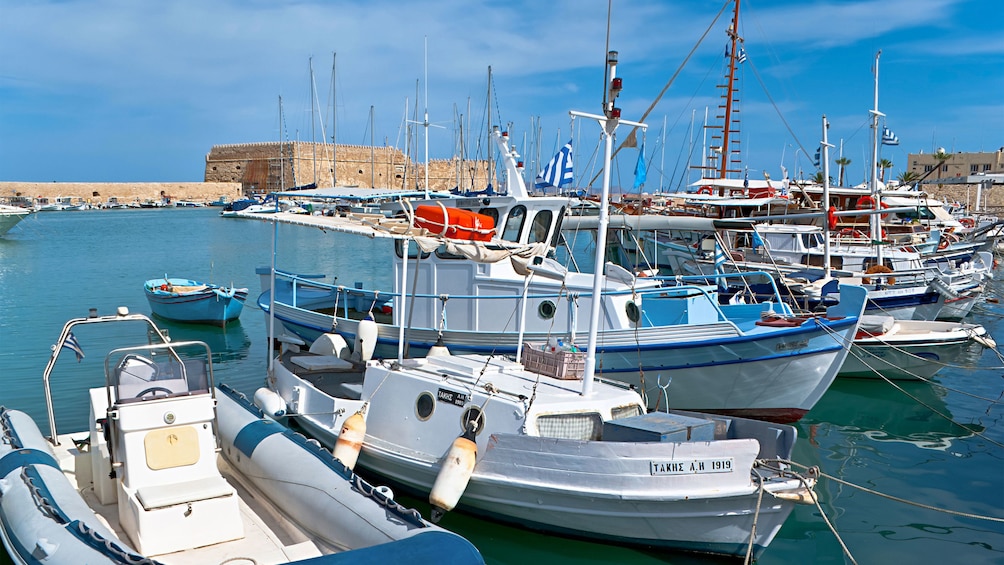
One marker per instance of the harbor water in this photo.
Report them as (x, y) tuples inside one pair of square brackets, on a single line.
[(919, 466)]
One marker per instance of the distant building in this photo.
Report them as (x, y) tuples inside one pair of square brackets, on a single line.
[(961, 176), (954, 167)]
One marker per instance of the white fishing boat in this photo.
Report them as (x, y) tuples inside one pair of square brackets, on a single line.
[(170, 469), (542, 443), (489, 297), (909, 349), (10, 216)]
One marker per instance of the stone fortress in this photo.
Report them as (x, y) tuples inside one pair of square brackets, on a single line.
[(239, 170)]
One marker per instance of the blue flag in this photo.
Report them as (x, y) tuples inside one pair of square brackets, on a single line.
[(639, 168), (72, 344), (558, 171), (888, 137)]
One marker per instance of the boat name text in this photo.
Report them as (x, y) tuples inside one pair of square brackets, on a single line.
[(691, 466), (790, 345), (452, 397)]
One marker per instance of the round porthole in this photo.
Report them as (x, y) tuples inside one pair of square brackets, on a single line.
[(546, 309), (425, 406), (633, 313), (473, 414)]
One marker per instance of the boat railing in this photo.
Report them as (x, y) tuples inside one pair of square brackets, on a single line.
[(344, 297), (67, 340)]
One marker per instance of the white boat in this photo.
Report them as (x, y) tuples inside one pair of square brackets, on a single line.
[(542, 444), (909, 349), (170, 469), (10, 216), (470, 295)]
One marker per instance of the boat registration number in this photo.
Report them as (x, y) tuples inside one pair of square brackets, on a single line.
[(791, 345), (451, 397), (691, 466)]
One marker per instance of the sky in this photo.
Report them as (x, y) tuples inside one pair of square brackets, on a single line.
[(127, 91)]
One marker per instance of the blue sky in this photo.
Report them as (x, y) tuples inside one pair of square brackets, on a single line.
[(124, 91)]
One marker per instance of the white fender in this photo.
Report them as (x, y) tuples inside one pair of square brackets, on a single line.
[(270, 403), (439, 349), (451, 482), (366, 336), (350, 438)]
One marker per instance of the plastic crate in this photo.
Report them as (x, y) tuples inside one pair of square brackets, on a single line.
[(567, 365)]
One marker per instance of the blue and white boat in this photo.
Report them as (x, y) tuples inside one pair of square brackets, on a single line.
[(185, 300), (169, 468), (491, 297)]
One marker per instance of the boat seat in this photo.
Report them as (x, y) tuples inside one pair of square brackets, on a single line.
[(162, 496), (322, 363), (351, 391)]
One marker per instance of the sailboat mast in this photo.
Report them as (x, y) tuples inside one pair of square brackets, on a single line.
[(488, 113), (730, 90), (875, 222), (334, 122), (372, 157)]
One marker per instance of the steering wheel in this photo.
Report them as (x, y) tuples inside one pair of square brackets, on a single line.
[(154, 389)]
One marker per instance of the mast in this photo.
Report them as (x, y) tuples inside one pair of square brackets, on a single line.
[(488, 112), (609, 121), (372, 157), (334, 122), (724, 150), (875, 220)]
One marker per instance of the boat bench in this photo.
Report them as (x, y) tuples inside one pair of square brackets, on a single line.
[(162, 496), (322, 363)]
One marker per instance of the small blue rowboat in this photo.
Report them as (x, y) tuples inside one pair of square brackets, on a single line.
[(184, 300)]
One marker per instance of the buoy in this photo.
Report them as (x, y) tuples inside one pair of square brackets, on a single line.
[(270, 403), (451, 482), (439, 349), (350, 439), (366, 336)]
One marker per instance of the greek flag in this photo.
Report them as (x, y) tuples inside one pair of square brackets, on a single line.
[(558, 171), (640, 173), (746, 180), (72, 344), (888, 137), (742, 55), (816, 159), (720, 265)]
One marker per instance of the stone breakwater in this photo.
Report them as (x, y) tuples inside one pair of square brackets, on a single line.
[(124, 192)]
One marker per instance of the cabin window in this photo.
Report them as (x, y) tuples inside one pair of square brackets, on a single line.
[(581, 426), (538, 229), (556, 236), (424, 406), (475, 415), (514, 223), (546, 309), (412, 250), (492, 213)]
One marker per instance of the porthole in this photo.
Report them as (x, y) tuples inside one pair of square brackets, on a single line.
[(473, 414), (633, 313), (546, 309), (425, 405)]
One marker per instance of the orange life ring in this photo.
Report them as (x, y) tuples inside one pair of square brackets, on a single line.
[(867, 203), (968, 222), (831, 218), (704, 190)]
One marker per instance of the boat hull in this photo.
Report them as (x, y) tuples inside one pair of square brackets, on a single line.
[(917, 350), (778, 378)]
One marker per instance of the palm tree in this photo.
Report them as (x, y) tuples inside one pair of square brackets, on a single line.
[(843, 162), (818, 178), (941, 157), (883, 165), (908, 177)]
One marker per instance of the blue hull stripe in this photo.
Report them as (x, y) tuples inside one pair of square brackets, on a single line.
[(254, 433), (23, 458)]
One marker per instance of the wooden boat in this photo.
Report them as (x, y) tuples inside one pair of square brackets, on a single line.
[(185, 300), (171, 469)]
